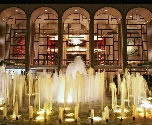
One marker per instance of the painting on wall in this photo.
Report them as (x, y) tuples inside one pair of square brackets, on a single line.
[(132, 49), (19, 48)]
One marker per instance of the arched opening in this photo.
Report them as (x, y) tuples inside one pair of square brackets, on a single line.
[(106, 37), (45, 46), (15, 36), (75, 35), (137, 50)]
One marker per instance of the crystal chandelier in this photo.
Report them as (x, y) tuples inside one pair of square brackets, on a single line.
[(75, 41)]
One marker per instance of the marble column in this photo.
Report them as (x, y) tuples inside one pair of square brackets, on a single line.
[(2, 40), (91, 41), (124, 43), (60, 42), (28, 44)]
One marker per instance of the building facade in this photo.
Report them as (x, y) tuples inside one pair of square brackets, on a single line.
[(107, 36)]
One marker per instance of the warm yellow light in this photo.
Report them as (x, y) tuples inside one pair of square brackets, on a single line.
[(40, 118), (126, 100), (149, 98), (1, 108), (14, 116), (97, 118), (99, 50), (121, 117), (139, 109), (69, 114), (1, 101), (146, 105), (67, 108), (142, 114), (119, 110), (41, 112), (145, 102), (75, 41), (32, 94), (69, 119)]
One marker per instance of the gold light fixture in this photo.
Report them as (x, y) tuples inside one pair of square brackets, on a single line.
[(75, 41)]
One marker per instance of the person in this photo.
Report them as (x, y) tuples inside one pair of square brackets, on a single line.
[(115, 80), (22, 73)]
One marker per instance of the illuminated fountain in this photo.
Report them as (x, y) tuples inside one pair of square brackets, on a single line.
[(21, 89), (15, 112), (4, 111), (75, 86), (44, 96), (114, 96), (123, 91), (2, 70)]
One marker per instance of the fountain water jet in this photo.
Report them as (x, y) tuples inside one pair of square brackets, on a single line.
[(90, 86), (15, 81), (113, 89), (128, 87), (119, 82), (31, 112), (102, 90), (21, 88), (30, 85), (4, 111), (139, 88), (123, 91), (75, 88), (106, 113), (78, 65)]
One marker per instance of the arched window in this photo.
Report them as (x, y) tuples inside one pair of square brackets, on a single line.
[(45, 22), (75, 35), (15, 37), (106, 31)]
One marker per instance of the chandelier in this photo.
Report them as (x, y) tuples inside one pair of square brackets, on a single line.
[(75, 41)]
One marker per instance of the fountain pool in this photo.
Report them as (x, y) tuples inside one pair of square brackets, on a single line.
[(73, 93)]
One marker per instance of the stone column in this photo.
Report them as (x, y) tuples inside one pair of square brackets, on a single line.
[(2, 40), (91, 41), (32, 44), (60, 42), (149, 40), (124, 43), (149, 43), (119, 43), (28, 44)]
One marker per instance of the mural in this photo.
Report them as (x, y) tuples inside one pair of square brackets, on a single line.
[(132, 49), (19, 46)]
